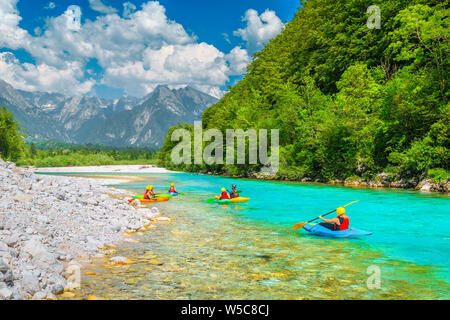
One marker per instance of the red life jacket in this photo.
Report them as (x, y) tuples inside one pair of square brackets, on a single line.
[(224, 196), (344, 224), (172, 189), (234, 194)]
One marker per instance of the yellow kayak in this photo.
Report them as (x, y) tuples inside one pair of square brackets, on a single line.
[(238, 199)]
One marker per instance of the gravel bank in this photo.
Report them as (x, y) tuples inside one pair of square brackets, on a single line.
[(48, 222), (107, 169)]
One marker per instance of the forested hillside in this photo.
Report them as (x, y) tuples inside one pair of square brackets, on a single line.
[(350, 102)]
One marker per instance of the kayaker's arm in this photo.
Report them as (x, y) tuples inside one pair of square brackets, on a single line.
[(334, 220)]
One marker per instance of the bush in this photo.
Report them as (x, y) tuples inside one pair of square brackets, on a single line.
[(438, 174)]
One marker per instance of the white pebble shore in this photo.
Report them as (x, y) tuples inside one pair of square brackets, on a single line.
[(48, 222)]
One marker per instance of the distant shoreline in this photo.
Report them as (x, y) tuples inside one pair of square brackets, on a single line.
[(383, 181), (104, 169)]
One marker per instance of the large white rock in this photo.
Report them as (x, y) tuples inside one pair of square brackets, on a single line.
[(30, 283), (41, 257), (426, 187), (5, 292)]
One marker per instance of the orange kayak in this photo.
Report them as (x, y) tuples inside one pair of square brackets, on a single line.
[(159, 199)]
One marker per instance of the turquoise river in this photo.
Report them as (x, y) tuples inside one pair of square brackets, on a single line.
[(249, 251)]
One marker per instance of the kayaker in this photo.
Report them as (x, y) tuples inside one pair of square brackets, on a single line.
[(224, 195), (234, 193), (172, 188), (341, 222), (149, 193)]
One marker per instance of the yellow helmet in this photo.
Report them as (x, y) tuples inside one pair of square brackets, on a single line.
[(172, 184), (340, 211), (223, 189), (149, 187)]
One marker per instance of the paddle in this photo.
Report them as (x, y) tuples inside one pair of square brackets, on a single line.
[(156, 195), (302, 224)]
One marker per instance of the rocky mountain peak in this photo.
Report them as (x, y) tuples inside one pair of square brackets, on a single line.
[(120, 122)]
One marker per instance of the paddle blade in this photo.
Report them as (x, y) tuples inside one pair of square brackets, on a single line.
[(350, 203), (299, 225)]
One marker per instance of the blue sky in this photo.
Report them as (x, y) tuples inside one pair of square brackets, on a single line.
[(111, 47)]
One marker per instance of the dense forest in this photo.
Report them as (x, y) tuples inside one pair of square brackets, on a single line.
[(350, 102), (14, 146)]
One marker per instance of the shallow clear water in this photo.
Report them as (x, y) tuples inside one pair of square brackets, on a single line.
[(249, 251)]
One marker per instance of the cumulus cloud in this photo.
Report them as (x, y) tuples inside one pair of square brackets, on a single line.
[(194, 64), (72, 18), (238, 60), (137, 52), (11, 36), (99, 6), (260, 28), (128, 9), (41, 77)]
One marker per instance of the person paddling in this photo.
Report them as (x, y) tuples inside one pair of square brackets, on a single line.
[(234, 193), (341, 222), (172, 188), (149, 193), (224, 195)]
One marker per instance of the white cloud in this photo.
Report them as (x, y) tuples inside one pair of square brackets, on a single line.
[(37, 31), (72, 18), (193, 64), (238, 59), (41, 77), (11, 36), (226, 37), (260, 28), (99, 6), (128, 9), (138, 51)]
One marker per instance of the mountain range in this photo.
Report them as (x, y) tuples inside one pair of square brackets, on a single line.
[(126, 121)]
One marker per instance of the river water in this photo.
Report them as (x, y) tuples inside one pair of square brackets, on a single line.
[(249, 251)]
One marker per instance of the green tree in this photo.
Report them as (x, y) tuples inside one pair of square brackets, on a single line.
[(33, 150), (11, 139), (347, 100)]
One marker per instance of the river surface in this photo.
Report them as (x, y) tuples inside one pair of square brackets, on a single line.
[(249, 251)]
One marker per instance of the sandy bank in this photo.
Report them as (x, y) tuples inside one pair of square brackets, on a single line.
[(106, 169)]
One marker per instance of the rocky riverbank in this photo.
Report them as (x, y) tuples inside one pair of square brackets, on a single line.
[(48, 222), (382, 180)]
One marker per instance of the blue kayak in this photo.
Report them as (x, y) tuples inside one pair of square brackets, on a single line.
[(324, 232), (173, 194)]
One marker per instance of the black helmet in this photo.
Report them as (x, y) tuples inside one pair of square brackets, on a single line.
[(233, 186)]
